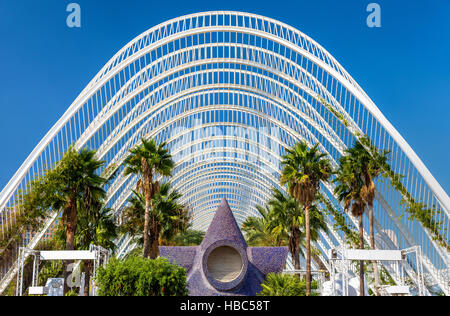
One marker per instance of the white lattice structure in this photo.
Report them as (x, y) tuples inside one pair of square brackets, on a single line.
[(229, 92)]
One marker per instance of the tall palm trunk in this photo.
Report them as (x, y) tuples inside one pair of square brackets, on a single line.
[(361, 262), (154, 239), (146, 228), (308, 251), (148, 181), (294, 247), (372, 246), (87, 276), (71, 226)]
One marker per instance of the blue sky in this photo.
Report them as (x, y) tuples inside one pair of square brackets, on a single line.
[(404, 66)]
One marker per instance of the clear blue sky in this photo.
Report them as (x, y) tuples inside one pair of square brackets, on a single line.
[(404, 66)]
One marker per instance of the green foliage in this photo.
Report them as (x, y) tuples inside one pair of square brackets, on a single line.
[(110, 172), (417, 210), (136, 252), (32, 205), (147, 159), (287, 221), (303, 169), (287, 215), (282, 223), (71, 293), (72, 186), (334, 112), (96, 227), (170, 215), (51, 269), (74, 177), (11, 289), (285, 285), (385, 277), (133, 216), (349, 184), (351, 234), (258, 231), (190, 237), (136, 276), (169, 218)]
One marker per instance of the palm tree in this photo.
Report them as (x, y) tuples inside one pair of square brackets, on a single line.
[(277, 222), (287, 220), (168, 218), (349, 191), (317, 224), (190, 237), (147, 161), (133, 217), (370, 169), (26, 216), (257, 230), (74, 180), (303, 170), (283, 285), (95, 227)]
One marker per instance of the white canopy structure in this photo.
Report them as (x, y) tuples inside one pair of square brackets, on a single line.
[(229, 92)]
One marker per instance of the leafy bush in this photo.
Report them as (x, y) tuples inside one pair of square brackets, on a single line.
[(285, 285), (71, 293), (137, 276)]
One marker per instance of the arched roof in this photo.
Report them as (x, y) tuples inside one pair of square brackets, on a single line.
[(229, 92)]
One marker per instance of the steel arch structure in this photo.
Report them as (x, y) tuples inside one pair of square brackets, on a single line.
[(229, 92)]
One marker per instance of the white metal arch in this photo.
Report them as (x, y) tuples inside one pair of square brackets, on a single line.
[(128, 87), (336, 69), (330, 138), (136, 94), (203, 219)]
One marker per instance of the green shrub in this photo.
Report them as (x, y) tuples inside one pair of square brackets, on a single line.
[(285, 285), (71, 293), (136, 276)]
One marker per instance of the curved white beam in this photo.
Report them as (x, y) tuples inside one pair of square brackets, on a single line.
[(340, 75), (276, 81)]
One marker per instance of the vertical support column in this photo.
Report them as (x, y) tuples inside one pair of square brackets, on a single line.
[(35, 278), (19, 283), (94, 270), (419, 268)]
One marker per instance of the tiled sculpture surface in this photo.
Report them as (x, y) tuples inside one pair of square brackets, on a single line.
[(202, 276)]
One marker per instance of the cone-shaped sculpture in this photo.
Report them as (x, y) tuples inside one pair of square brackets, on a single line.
[(223, 227), (223, 264)]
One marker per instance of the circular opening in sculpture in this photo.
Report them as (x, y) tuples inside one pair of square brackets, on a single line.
[(224, 264)]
